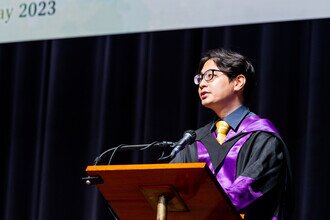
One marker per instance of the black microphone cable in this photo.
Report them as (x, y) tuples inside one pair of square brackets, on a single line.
[(126, 146)]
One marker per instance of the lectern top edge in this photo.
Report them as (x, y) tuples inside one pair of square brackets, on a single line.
[(145, 166)]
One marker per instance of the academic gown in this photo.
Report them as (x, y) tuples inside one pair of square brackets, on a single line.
[(252, 166)]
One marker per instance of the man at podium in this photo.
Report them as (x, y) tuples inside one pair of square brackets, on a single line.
[(244, 151)]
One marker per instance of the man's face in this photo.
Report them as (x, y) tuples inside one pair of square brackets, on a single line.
[(217, 93)]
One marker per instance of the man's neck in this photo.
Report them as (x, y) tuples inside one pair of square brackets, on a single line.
[(223, 112)]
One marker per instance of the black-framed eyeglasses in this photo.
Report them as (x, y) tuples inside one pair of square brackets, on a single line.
[(207, 76)]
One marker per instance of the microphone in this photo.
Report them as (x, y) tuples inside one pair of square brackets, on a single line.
[(188, 138)]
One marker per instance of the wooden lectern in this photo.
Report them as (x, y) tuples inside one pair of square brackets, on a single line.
[(187, 190)]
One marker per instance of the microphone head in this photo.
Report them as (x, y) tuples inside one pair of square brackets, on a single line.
[(188, 138), (192, 135)]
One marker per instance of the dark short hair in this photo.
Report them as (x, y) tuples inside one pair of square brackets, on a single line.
[(232, 64)]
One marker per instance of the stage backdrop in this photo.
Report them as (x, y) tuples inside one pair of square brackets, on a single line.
[(65, 101)]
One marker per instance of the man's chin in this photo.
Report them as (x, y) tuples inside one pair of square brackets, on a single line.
[(206, 104), (210, 105)]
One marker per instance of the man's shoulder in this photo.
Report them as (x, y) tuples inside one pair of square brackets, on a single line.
[(252, 123), (266, 137)]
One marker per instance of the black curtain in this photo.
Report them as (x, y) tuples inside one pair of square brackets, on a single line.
[(66, 101)]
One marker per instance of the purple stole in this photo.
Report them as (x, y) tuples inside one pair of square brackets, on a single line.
[(227, 173)]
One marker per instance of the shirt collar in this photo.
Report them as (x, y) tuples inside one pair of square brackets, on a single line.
[(235, 118)]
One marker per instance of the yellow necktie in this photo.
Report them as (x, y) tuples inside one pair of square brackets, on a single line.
[(222, 130)]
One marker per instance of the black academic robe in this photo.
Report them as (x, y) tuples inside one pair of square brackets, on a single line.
[(263, 158)]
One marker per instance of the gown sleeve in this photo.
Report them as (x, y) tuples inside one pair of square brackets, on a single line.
[(258, 170)]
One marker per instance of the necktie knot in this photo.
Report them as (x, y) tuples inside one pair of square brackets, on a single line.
[(222, 129)]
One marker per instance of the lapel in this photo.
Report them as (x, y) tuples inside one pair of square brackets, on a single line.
[(216, 151)]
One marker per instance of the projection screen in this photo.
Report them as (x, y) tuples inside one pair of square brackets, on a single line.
[(23, 20)]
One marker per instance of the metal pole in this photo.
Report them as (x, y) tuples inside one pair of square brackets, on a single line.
[(162, 208)]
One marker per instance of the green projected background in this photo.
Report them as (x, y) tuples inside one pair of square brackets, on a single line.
[(22, 20)]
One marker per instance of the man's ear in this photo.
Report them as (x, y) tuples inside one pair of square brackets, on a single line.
[(240, 81)]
